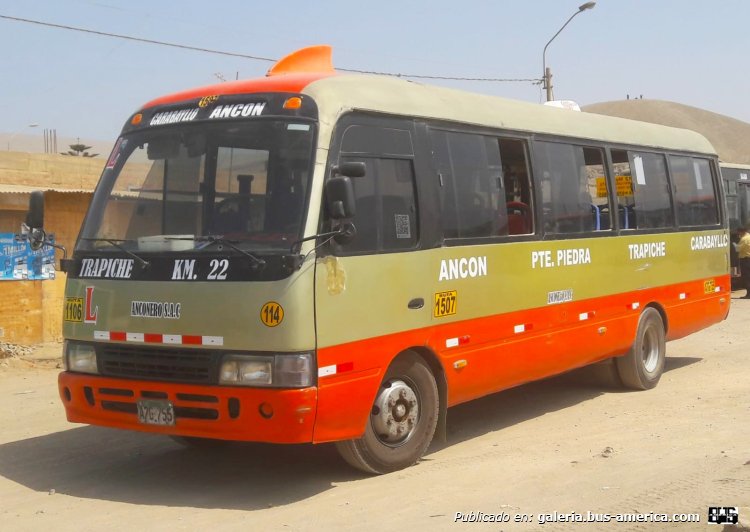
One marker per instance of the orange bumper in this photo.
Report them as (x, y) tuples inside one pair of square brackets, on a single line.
[(220, 412)]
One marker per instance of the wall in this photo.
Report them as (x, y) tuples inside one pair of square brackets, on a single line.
[(31, 311), (48, 170), (63, 215), (21, 312)]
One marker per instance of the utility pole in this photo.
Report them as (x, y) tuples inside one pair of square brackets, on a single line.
[(546, 72)]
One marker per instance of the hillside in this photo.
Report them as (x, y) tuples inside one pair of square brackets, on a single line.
[(730, 137)]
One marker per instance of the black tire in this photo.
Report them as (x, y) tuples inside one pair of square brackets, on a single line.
[(408, 400), (642, 367)]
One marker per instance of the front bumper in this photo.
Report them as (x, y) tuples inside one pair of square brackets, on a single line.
[(220, 412)]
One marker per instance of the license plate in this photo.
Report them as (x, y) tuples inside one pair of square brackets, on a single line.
[(155, 413)]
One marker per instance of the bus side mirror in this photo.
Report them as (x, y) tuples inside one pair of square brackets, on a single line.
[(33, 229), (34, 226), (340, 198), (350, 169), (35, 215), (340, 191)]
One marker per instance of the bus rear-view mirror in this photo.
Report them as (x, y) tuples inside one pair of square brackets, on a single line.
[(350, 169), (340, 198), (163, 148), (35, 215)]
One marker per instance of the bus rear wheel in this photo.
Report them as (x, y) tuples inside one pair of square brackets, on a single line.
[(642, 367), (402, 420)]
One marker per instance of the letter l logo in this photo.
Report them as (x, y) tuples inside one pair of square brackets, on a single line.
[(90, 315)]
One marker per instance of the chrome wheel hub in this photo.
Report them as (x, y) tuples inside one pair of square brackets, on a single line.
[(395, 413)]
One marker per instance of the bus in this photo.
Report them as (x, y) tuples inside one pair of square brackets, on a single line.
[(736, 180), (737, 193), (319, 257)]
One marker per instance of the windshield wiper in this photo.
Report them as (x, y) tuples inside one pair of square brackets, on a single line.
[(116, 243), (210, 240), (347, 230)]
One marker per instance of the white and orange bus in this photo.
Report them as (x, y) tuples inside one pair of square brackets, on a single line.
[(323, 257)]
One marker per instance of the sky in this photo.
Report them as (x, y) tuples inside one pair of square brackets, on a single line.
[(82, 85)]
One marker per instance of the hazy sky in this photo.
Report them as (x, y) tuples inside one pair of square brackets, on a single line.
[(687, 51)]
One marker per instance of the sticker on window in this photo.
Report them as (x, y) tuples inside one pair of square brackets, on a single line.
[(403, 227), (640, 174), (112, 161), (698, 178)]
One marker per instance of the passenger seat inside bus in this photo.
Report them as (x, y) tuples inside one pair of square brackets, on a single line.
[(601, 217), (627, 216), (519, 218)]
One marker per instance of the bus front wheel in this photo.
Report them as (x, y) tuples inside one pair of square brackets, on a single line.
[(402, 420), (642, 366)]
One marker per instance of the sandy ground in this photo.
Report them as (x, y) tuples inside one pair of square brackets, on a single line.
[(575, 443)]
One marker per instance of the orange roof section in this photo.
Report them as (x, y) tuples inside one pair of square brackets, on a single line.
[(290, 74), (311, 59)]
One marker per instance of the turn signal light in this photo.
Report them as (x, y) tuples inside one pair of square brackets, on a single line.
[(295, 102)]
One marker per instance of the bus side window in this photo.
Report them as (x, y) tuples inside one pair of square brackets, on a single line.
[(598, 188), (694, 191), (652, 200), (575, 194), (386, 216), (624, 185), (470, 181), (517, 186)]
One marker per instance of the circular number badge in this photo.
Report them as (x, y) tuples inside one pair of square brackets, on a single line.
[(271, 314)]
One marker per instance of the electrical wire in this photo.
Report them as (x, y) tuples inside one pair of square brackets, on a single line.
[(253, 57)]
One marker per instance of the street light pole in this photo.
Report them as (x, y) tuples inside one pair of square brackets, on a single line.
[(17, 132), (546, 72)]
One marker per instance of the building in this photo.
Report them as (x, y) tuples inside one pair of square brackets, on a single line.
[(31, 311)]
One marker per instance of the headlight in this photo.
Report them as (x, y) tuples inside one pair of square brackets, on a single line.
[(281, 370), (80, 358)]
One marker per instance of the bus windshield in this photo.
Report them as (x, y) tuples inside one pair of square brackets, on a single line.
[(181, 188)]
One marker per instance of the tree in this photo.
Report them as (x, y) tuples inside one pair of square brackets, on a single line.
[(79, 150)]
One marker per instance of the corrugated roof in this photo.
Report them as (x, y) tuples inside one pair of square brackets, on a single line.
[(27, 189)]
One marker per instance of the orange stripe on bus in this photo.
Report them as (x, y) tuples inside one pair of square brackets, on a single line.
[(557, 342)]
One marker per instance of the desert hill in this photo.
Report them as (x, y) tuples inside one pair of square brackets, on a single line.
[(730, 137)]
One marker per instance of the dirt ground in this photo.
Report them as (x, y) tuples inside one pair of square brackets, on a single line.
[(574, 443)]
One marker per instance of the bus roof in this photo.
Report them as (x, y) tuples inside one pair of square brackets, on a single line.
[(337, 94), (310, 71), (725, 164)]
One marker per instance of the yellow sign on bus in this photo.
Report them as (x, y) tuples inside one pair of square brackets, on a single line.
[(73, 309), (624, 186), (445, 303)]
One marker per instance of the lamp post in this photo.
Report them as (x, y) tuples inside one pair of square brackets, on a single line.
[(17, 132), (546, 72)]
